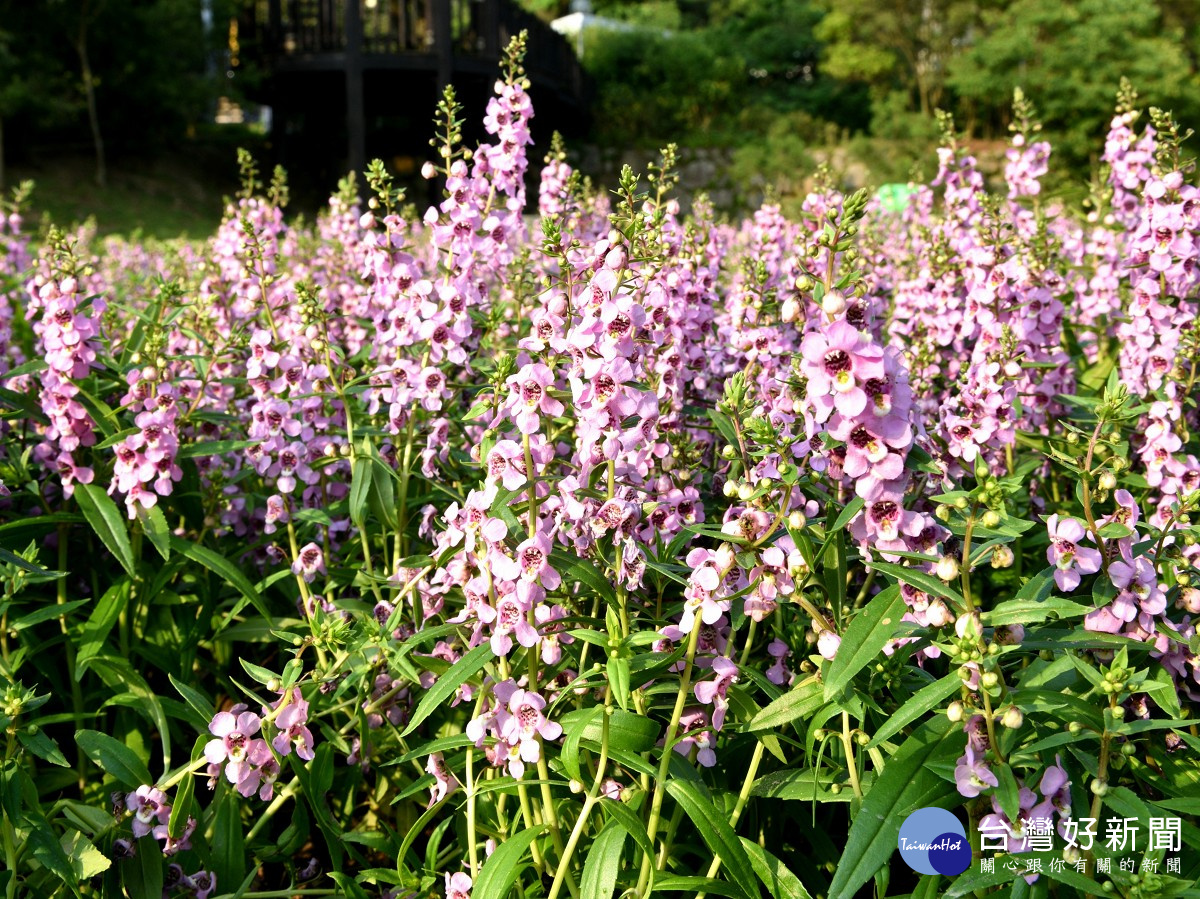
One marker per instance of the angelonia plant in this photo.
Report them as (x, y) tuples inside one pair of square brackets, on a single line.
[(616, 553)]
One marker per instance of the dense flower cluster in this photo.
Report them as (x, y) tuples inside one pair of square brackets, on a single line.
[(512, 530)]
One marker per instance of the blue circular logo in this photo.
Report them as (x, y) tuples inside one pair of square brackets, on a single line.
[(933, 841)]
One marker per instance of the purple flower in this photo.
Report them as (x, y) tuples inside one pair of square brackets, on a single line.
[(234, 735), (524, 724), (444, 782), (713, 691), (1066, 555), (973, 775), (458, 886), (150, 809), (293, 727), (309, 562)]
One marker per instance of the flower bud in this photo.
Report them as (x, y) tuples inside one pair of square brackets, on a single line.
[(1002, 557), (730, 488), (991, 519), (745, 491), (833, 303), (955, 712), (790, 310), (797, 520), (989, 679), (1012, 718), (1099, 787), (947, 568), (1108, 481)]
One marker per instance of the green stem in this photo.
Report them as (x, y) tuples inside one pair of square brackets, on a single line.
[(10, 859), (656, 802), (588, 803), (851, 763), (276, 804), (739, 806)]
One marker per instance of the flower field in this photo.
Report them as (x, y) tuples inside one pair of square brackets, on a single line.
[(618, 553)]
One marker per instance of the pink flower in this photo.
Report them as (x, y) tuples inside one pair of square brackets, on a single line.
[(444, 782), (234, 735), (525, 723), (309, 563), (713, 691), (150, 809), (530, 394), (293, 729), (458, 886), (1066, 555)]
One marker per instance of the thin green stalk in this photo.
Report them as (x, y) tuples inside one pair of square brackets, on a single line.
[(851, 763), (738, 806), (10, 859), (656, 803), (592, 798)]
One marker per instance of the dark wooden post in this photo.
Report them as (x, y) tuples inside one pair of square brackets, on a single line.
[(443, 42), (356, 120), (489, 24), (275, 26)]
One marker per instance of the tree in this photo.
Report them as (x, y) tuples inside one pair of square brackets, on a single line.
[(908, 43), (1069, 57)]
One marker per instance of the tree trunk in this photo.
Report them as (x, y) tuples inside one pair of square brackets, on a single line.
[(89, 89)]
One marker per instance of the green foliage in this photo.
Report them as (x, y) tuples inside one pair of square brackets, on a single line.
[(1069, 57)]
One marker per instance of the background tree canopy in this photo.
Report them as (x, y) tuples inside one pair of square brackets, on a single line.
[(776, 83)]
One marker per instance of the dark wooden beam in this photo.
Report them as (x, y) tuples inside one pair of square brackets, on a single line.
[(443, 43), (356, 119)]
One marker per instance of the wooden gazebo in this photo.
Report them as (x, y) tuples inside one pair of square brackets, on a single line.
[(377, 67)]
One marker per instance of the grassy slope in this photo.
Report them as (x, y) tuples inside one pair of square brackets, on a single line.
[(162, 199)]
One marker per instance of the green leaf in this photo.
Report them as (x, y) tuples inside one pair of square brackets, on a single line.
[(114, 757), (360, 487), (618, 679), (194, 698), (43, 747), (806, 785), (214, 447), (11, 558), (780, 882), (46, 613), (86, 860), (803, 699), (603, 863), (572, 734), (689, 885), (104, 617), (847, 514), (49, 852), (228, 858), (102, 514), (445, 686), (864, 639), (1034, 603), (116, 671), (500, 871), (918, 704), (623, 815), (906, 784), (922, 581), (155, 525), (716, 832), (223, 568), (626, 730), (181, 807)]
